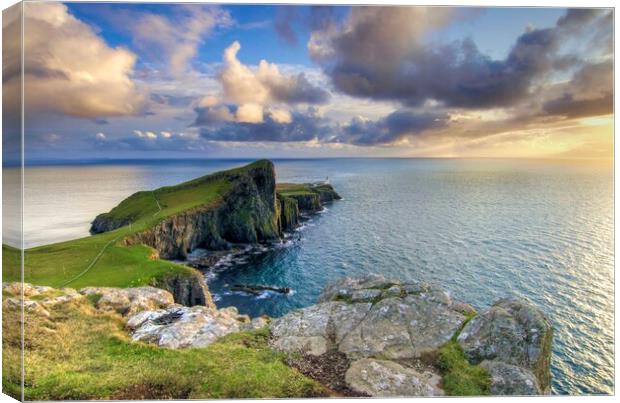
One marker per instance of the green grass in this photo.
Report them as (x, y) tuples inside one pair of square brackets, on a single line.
[(66, 263), (79, 353), (294, 189), (11, 263), (459, 377)]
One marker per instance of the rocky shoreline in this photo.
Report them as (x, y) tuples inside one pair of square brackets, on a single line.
[(366, 336)]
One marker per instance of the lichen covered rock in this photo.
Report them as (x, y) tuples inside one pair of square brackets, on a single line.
[(371, 317), (509, 379), (128, 301), (382, 326), (513, 332), (188, 327), (381, 378)]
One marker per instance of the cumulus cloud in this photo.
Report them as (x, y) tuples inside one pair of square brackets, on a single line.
[(241, 84), (175, 39), (380, 53), (71, 70)]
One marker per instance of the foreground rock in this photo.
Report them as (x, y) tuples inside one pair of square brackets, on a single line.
[(152, 315), (128, 301), (372, 317), (188, 327), (388, 379), (515, 334), (385, 328)]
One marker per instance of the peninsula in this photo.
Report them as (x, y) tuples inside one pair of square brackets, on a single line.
[(113, 301)]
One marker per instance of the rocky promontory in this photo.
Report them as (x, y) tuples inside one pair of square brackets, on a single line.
[(241, 206)]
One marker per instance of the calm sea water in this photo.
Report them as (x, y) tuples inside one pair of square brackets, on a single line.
[(483, 229)]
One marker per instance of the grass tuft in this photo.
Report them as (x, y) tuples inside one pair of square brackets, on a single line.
[(459, 377)]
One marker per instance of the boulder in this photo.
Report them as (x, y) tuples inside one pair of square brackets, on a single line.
[(513, 332), (380, 378), (304, 330), (509, 379), (128, 301), (186, 327), (371, 317)]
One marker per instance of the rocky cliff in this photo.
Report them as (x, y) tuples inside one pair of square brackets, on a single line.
[(247, 210)]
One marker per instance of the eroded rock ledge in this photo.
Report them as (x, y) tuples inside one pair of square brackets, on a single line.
[(387, 330)]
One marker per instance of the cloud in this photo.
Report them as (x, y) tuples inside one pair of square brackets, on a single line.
[(283, 24), (250, 113), (100, 136), (397, 126), (380, 53), (70, 70), (174, 39), (301, 126), (242, 85)]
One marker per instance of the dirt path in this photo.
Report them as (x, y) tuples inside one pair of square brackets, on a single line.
[(90, 266)]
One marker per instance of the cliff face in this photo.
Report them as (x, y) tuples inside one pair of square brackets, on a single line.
[(247, 213), (296, 199), (188, 290)]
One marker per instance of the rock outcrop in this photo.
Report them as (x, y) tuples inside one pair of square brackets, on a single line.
[(188, 327), (383, 378), (297, 199), (151, 313), (515, 334), (188, 289), (371, 317), (387, 329), (128, 301)]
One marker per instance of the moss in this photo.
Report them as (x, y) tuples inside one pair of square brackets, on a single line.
[(459, 377), (94, 298)]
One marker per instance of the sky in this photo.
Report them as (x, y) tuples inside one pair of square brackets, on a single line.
[(113, 80)]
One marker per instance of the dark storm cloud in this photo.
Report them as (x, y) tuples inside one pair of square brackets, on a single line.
[(394, 127), (303, 127), (374, 57)]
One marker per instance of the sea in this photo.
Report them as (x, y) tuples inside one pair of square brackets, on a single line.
[(482, 229)]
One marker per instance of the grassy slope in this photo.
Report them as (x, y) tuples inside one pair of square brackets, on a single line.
[(120, 266), (79, 353)]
